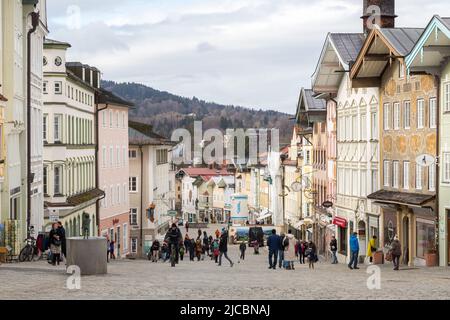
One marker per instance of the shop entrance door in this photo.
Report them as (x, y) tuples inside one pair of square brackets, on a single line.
[(405, 241)]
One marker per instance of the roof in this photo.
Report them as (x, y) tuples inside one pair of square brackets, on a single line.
[(310, 109), (77, 200), (205, 173), (415, 199), (436, 39), (107, 97), (74, 77), (54, 43), (347, 45), (402, 39), (380, 47), (142, 134)]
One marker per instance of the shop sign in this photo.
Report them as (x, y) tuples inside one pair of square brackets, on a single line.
[(341, 222), (327, 204)]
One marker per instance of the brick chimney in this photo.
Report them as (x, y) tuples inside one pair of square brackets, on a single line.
[(386, 9)]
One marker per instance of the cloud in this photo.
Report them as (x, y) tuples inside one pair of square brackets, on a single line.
[(256, 53)]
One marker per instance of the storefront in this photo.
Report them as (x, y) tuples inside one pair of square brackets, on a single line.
[(342, 235)]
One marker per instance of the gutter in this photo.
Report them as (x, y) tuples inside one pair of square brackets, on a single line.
[(30, 177)]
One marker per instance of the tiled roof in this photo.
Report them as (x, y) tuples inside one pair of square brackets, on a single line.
[(58, 43), (402, 39), (106, 96), (348, 45), (312, 103), (445, 20), (142, 134)]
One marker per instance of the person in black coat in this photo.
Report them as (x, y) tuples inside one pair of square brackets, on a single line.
[(223, 247), (62, 237), (273, 243), (205, 243), (173, 238)]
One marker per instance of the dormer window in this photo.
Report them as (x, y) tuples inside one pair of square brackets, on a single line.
[(58, 61)]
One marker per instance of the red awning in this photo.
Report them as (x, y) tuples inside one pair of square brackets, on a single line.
[(341, 222)]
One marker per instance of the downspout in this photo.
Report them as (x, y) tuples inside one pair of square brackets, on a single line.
[(34, 24), (97, 167), (438, 153), (142, 200)]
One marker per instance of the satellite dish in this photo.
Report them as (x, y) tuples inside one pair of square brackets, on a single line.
[(425, 160), (296, 187)]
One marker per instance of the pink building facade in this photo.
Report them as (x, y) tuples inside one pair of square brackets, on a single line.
[(113, 168)]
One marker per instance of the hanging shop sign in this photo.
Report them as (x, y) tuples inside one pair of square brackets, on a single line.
[(327, 204), (340, 222)]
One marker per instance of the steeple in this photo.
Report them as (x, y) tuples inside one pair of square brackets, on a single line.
[(381, 12)]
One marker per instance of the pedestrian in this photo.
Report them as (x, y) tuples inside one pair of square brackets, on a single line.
[(164, 252), (62, 235), (223, 247), (396, 252), (182, 250), (216, 251), (154, 251), (372, 248), (205, 243), (187, 226), (303, 247), (281, 251), (217, 233), (333, 249), (192, 249), (199, 235), (289, 250), (210, 242), (198, 249), (273, 243), (354, 252), (311, 254), (187, 244), (111, 250), (242, 249), (55, 244)]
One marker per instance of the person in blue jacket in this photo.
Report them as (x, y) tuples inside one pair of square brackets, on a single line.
[(354, 251), (273, 243)]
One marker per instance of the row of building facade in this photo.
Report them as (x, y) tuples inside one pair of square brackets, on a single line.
[(68, 147), (369, 152)]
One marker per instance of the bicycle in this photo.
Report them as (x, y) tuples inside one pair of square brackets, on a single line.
[(29, 251)]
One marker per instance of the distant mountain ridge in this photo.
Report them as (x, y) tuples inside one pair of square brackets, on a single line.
[(166, 112)]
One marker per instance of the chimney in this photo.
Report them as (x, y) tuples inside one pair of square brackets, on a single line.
[(381, 12)]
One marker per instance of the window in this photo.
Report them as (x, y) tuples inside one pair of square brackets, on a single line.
[(374, 181), (104, 116), (45, 180), (110, 119), (308, 157), (133, 245), (57, 128), (406, 165), (123, 120), (386, 172), (118, 195), (447, 97), (118, 156), (161, 156), (44, 127), (395, 174), (426, 235), (407, 114), (57, 172), (112, 196), (446, 168), (125, 236), (355, 128), (420, 114), (45, 87), (363, 183), (125, 194), (117, 119), (132, 154), (133, 216), (111, 156), (58, 87), (355, 191), (432, 178), (133, 184), (433, 113), (104, 157), (386, 116), (401, 70), (363, 128), (418, 177), (374, 125), (396, 116)]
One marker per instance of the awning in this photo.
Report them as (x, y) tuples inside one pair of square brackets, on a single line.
[(341, 222), (264, 217), (402, 198), (308, 221)]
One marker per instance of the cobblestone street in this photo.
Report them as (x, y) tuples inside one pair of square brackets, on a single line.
[(250, 279)]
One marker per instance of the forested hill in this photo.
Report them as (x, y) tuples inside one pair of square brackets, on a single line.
[(166, 111)]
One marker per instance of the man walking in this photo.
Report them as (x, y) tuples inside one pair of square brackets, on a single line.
[(354, 252), (273, 243), (242, 249), (333, 248), (223, 247)]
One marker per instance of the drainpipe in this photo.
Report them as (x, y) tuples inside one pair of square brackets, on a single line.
[(438, 153), (97, 167), (30, 178), (142, 201)]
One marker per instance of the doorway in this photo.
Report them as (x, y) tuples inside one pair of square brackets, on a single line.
[(405, 240), (362, 238)]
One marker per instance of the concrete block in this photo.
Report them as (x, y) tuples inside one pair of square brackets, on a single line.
[(88, 254)]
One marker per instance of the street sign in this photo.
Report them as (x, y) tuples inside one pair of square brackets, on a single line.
[(172, 213)]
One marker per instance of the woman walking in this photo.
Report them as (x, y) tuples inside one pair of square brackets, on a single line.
[(396, 252), (289, 250), (55, 244), (311, 253)]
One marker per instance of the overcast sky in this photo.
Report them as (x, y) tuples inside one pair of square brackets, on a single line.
[(254, 53)]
